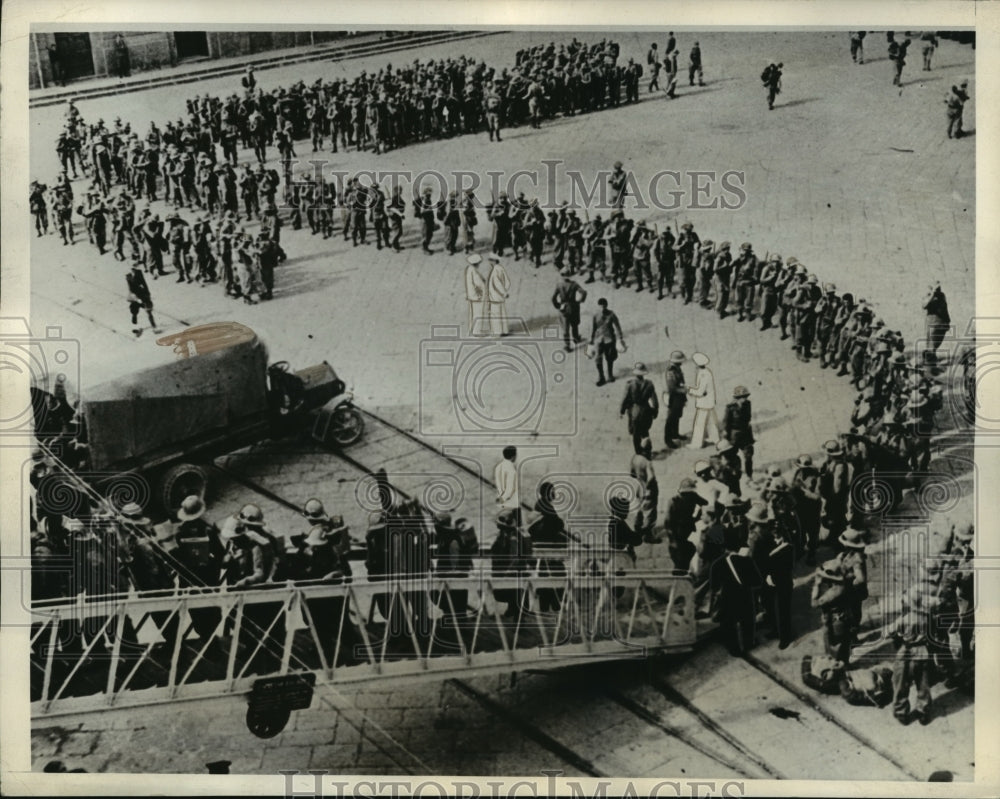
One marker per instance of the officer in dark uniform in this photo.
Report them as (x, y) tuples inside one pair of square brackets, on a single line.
[(674, 398), (778, 590), (735, 580), (737, 428), (640, 404)]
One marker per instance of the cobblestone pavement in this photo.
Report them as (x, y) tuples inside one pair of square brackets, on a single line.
[(849, 174)]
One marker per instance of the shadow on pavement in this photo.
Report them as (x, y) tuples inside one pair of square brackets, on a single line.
[(951, 702), (801, 101), (920, 80)]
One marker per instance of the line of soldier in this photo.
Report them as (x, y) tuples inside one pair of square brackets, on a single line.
[(437, 98)]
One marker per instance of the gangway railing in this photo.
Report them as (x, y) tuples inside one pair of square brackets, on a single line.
[(114, 651)]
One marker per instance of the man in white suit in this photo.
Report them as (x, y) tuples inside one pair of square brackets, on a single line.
[(497, 291), (704, 393), (475, 293), (505, 478)]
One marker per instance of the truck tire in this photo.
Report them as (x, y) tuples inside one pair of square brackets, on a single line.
[(180, 481), (346, 427)]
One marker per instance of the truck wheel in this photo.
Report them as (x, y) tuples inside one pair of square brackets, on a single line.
[(346, 427), (180, 481)]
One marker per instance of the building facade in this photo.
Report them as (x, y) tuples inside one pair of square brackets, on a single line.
[(88, 55)]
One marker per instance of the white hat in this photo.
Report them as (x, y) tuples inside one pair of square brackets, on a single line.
[(700, 359), (474, 259)]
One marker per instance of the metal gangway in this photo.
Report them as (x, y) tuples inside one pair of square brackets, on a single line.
[(276, 642)]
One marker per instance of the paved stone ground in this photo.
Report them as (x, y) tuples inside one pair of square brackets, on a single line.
[(849, 174)]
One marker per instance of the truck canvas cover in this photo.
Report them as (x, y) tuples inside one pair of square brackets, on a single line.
[(175, 406)]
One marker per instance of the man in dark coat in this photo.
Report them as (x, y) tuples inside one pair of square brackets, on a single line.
[(139, 297), (735, 580), (778, 586), (567, 299), (640, 404)]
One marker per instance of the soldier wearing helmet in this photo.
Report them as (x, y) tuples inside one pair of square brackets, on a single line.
[(254, 556), (333, 527), (198, 559), (737, 428), (322, 560), (683, 510), (808, 503)]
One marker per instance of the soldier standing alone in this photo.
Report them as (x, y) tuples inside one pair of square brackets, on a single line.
[(956, 101), (694, 66), (605, 334)]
